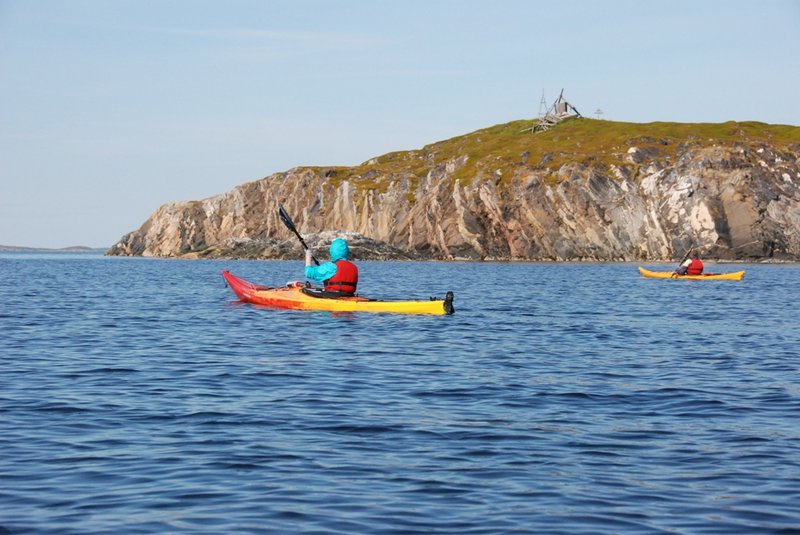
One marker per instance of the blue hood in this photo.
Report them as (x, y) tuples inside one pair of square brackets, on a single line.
[(339, 250)]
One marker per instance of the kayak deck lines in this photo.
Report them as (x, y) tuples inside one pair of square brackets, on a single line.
[(733, 276), (294, 297)]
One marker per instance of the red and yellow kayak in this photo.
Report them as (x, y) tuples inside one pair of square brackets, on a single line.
[(304, 299), (733, 276)]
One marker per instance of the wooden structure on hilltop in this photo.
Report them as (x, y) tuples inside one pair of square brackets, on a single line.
[(560, 110)]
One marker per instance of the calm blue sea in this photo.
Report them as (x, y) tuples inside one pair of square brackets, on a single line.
[(136, 396)]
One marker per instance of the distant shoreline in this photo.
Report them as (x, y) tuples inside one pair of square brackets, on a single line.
[(73, 249)]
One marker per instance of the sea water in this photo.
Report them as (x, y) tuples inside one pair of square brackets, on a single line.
[(137, 395)]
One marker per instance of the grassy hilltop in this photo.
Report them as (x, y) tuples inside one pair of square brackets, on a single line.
[(593, 143)]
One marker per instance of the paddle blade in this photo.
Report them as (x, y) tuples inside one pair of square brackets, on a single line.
[(284, 216), (290, 225), (286, 219)]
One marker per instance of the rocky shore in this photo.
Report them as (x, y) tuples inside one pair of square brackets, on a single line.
[(360, 246)]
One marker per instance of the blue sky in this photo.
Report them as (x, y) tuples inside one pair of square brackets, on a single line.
[(110, 108)]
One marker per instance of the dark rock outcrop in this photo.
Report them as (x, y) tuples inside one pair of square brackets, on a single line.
[(360, 246)]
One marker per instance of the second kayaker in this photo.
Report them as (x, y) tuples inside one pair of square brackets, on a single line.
[(339, 275), (692, 266)]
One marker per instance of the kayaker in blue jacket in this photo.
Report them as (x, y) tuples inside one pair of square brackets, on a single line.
[(338, 275)]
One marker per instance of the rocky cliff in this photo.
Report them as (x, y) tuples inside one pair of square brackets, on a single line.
[(584, 190)]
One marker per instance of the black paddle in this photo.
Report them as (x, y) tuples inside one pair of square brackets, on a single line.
[(290, 225)]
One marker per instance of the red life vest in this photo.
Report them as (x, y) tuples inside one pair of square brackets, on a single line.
[(345, 279), (695, 268)]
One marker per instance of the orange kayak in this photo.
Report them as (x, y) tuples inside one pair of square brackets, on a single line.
[(311, 299)]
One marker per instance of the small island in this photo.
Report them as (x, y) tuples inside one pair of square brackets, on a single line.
[(578, 190)]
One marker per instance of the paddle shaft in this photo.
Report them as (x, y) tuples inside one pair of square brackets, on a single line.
[(290, 225), (686, 256)]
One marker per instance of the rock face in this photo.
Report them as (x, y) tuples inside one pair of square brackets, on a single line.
[(731, 200)]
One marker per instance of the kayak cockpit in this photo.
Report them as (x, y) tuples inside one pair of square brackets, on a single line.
[(321, 293)]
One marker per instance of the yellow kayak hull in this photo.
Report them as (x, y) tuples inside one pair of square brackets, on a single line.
[(296, 298), (734, 276)]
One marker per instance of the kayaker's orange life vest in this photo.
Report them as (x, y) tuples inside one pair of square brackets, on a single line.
[(345, 279), (695, 268)]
